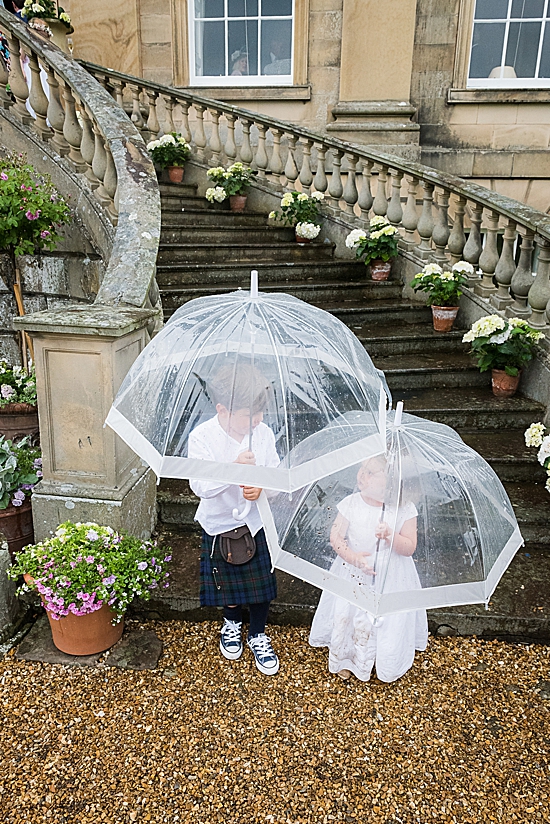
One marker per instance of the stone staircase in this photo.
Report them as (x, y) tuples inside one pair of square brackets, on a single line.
[(205, 249)]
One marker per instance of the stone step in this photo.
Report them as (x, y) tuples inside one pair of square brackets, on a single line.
[(242, 252), (179, 203), (204, 216), (177, 190), (507, 454), (218, 235), (431, 369), (404, 338), (378, 313)]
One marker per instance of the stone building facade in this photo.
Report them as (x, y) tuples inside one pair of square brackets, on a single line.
[(452, 83)]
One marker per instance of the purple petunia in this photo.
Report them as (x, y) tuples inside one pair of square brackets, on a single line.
[(32, 215), (4, 176), (90, 559), (110, 580), (92, 535), (142, 565)]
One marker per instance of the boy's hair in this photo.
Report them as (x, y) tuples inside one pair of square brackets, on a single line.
[(377, 461), (236, 386)]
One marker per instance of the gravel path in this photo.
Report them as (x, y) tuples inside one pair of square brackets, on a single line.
[(463, 737)]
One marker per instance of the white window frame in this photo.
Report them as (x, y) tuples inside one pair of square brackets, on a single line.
[(248, 80), (510, 82)]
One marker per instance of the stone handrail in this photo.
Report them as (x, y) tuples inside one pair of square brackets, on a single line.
[(86, 127), (500, 240)]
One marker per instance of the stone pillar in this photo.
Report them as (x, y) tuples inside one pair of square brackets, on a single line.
[(11, 609), (82, 354), (375, 76)]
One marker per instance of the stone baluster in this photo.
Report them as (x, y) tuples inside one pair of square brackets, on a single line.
[(395, 210), (136, 116), (5, 99), (291, 169), (99, 165), (215, 142), (472, 247), (56, 114), (335, 188), (426, 222), (72, 131), (18, 84), (87, 146), (261, 158), (457, 238), (522, 279), (410, 214), (245, 153), (110, 182), (365, 199), (320, 181), (539, 293), (505, 268), (118, 87), (230, 145), (306, 177), (276, 163), (38, 100), (350, 193), (169, 104), (185, 130), (200, 136), (441, 231), (380, 204), (153, 125), (488, 259)]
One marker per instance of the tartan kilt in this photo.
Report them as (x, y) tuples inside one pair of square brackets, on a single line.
[(250, 583)]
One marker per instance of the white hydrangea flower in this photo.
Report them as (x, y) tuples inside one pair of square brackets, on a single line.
[(317, 196), (355, 237), (377, 221), (544, 451), (302, 197), (215, 171), (446, 276), (463, 268), (37, 8), (485, 327), (153, 145), (535, 434), (287, 199), (432, 269), (65, 17), (167, 139), (307, 230), (217, 193), (271, 215), (547, 484)]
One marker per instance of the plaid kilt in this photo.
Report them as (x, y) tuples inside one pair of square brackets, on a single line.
[(250, 583)]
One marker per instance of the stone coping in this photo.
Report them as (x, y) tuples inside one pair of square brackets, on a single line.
[(81, 319)]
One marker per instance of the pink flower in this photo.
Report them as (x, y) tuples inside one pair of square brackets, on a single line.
[(89, 559), (32, 215), (4, 176), (44, 234)]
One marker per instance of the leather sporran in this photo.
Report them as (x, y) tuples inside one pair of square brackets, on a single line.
[(237, 546)]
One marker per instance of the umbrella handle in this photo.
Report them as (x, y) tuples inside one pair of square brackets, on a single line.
[(378, 544), (240, 516)]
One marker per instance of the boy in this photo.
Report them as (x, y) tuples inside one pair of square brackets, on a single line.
[(225, 438)]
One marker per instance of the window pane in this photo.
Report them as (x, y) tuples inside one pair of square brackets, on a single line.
[(276, 8), (276, 46), (487, 45), (243, 47), (544, 70), (242, 8), (209, 49), (209, 8), (491, 9), (527, 8), (523, 46)]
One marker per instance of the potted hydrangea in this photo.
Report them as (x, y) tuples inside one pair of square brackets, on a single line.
[(444, 288), (503, 345), (232, 183), (301, 211), (49, 20), (86, 576), (20, 470), (18, 411), (170, 152), (378, 248), (538, 436)]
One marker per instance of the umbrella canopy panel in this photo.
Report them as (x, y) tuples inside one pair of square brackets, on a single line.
[(273, 356)]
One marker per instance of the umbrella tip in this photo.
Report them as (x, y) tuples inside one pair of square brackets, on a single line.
[(398, 414), (253, 284)]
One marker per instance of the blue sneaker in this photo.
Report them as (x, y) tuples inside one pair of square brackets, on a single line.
[(231, 643), (264, 655)]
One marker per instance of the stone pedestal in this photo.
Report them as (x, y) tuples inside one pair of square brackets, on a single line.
[(82, 354)]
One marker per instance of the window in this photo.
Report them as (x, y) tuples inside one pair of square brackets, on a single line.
[(241, 42), (510, 44)]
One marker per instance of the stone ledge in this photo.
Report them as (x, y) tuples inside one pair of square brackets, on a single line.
[(253, 92), (498, 96), (87, 320)]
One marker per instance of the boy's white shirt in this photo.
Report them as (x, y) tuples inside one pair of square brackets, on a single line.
[(210, 442)]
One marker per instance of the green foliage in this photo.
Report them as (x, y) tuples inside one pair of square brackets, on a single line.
[(44, 9), (16, 384), (443, 288), (31, 208), (379, 244), (169, 150), (502, 343), (20, 470), (235, 180), (297, 207)]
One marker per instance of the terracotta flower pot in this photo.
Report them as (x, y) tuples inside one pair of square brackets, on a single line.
[(444, 317), (175, 174), (18, 420), (16, 525), (237, 203), (504, 385), (380, 269), (300, 239)]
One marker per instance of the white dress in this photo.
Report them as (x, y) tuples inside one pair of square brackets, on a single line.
[(354, 642)]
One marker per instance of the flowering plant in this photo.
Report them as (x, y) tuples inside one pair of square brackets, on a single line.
[(44, 9), (379, 244), (20, 470), (16, 384), (309, 231), (299, 208), (535, 436), (444, 288), (84, 566), (502, 343), (235, 180), (169, 150)]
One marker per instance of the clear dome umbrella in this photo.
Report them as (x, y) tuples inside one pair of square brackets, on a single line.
[(306, 367), (429, 486)]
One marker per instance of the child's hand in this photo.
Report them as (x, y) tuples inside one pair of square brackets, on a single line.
[(251, 493), (363, 561), (246, 457), (383, 531)]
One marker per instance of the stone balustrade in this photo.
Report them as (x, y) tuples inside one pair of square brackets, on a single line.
[(442, 218)]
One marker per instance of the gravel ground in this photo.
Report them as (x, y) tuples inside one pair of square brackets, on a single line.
[(463, 737)]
